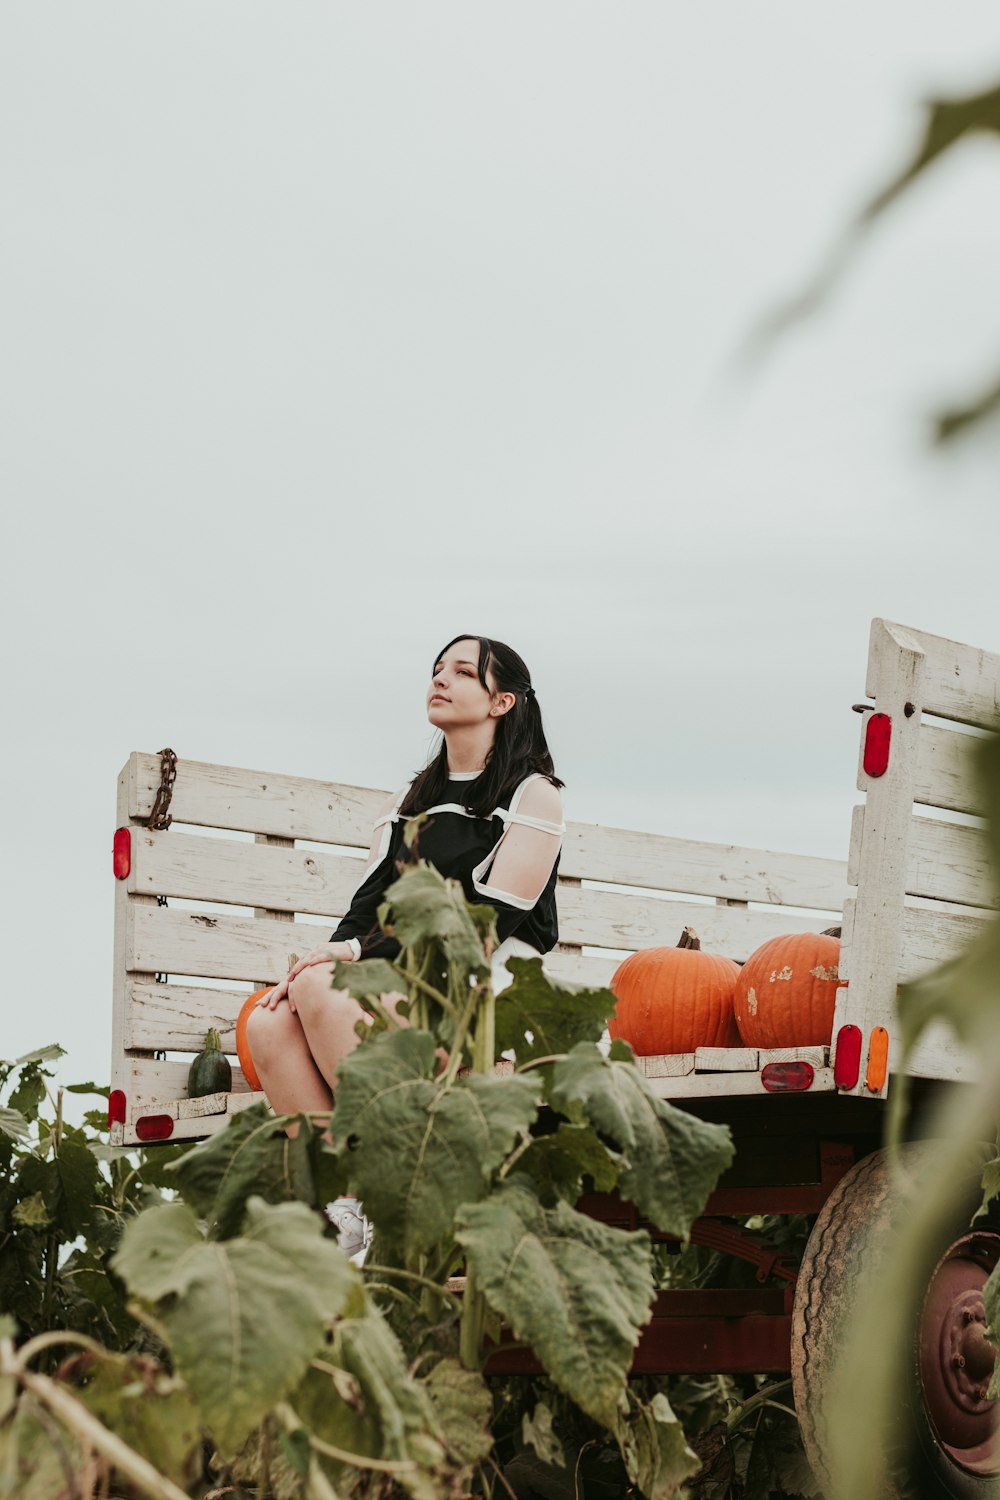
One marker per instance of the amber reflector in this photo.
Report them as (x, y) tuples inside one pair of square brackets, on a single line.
[(878, 1060)]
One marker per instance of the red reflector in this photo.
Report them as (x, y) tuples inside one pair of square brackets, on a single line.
[(116, 1108), (877, 733), (847, 1063), (779, 1078), (154, 1127), (122, 854)]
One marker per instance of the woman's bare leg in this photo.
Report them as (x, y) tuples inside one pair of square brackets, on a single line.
[(328, 1018), (284, 1063)]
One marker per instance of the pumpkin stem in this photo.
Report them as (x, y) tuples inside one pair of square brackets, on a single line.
[(213, 1042), (831, 932), (689, 939)]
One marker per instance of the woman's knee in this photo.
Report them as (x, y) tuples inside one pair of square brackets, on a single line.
[(311, 991), (270, 1031)]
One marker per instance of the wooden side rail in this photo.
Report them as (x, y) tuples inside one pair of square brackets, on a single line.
[(257, 865)]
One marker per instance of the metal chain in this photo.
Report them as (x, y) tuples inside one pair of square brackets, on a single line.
[(160, 818)]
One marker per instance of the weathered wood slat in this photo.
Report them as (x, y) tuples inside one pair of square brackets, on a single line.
[(229, 797), (949, 862), (726, 1060), (192, 1127), (581, 968), (930, 938), (175, 1017), (956, 681), (166, 941), (618, 856), (152, 1080), (609, 919), (666, 1065), (944, 861), (945, 773), (926, 938), (194, 868)]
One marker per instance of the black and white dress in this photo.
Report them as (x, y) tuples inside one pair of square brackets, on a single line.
[(463, 847)]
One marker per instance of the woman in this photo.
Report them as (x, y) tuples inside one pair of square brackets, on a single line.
[(495, 824)]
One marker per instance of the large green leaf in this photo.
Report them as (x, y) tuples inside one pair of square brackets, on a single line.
[(424, 905), (13, 1124), (252, 1156), (41, 1055), (367, 980), (537, 1017), (418, 1149), (464, 1407), (66, 1182), (654, 1448), (576, 1290), (559, 1163), (242, 1316), (410, 1431), (674, 1159)]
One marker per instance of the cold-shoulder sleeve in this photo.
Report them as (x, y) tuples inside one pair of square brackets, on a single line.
[(522, 863)]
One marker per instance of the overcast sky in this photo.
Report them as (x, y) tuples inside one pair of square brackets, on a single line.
[(329, 331)]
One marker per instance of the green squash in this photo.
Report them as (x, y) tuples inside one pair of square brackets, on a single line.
[(210, 1072)]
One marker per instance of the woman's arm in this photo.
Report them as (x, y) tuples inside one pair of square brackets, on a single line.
[(518, 870)]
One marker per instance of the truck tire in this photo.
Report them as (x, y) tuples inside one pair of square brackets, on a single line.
[(943, 1440)]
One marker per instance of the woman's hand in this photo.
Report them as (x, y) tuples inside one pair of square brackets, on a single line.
[(326, 953)]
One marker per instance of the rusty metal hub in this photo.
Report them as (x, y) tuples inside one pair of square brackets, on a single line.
[(957, 1358)]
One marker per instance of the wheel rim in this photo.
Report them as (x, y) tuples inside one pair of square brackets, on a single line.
[(956, 1358)]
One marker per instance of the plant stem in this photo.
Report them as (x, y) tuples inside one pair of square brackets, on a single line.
[(472, 1325), (329, 1450), (318, 1487), (413, 1276), (485, 1045), (41, 1341), (760, 1398), (53, 1242), (458, 1042), (359, 1461), (539, 1062), (417, 983)]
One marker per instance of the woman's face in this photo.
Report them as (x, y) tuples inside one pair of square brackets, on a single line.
[(456, 699)]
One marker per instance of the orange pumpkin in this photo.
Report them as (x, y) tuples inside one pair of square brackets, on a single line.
[(786, 991), (675, 999), (242, 1042)]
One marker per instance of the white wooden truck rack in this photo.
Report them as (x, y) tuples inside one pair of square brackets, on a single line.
[(257, 865)]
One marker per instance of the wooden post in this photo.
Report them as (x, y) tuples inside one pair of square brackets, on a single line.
[(265, 911)]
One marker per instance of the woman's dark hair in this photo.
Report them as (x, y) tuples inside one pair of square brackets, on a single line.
[(518, 750)]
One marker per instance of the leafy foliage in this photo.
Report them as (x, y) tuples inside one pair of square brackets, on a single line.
[(671, 1160), (216, 1268), (576, 1290)]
